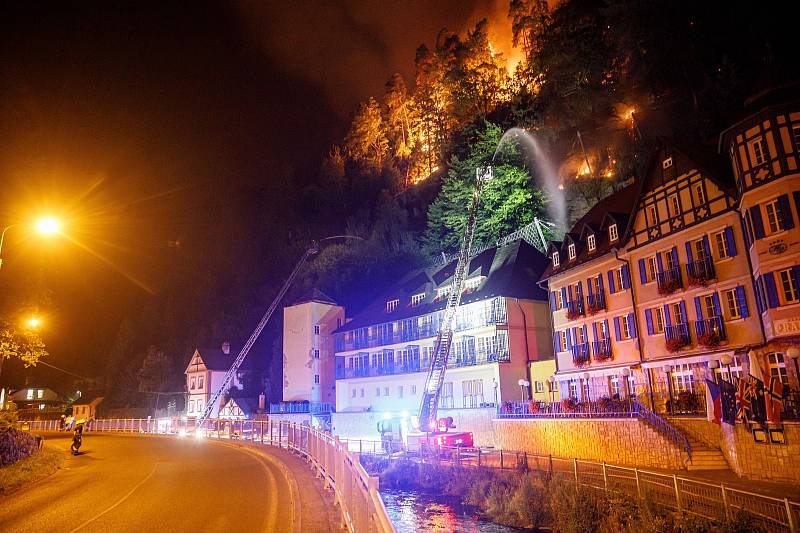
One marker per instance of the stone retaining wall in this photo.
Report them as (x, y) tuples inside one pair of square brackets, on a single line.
[(622, 441)]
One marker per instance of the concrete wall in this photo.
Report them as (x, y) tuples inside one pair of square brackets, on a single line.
[(619, 441)]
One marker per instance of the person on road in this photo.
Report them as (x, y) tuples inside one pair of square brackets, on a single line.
[(77, 438)]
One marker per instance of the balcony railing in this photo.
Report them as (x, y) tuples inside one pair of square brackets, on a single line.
[(677, 336), (669, 280), (575, 309), (700, 272), (300, 407), (596, 302), (601, 350), (710, 331), (580, 353), (466, 358)]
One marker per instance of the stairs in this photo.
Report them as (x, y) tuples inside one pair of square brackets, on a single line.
[(704, 457)]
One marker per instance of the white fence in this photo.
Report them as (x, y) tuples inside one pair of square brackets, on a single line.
[(336, 462)]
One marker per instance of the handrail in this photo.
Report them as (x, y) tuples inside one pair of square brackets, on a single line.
[(663, 426)]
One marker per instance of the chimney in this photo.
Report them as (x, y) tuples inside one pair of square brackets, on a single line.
[(226, 348)]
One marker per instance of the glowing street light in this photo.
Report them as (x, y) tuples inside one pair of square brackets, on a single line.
[(33, 322), (46, 226)]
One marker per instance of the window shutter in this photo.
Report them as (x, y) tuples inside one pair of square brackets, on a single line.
[(683, 311), (772, 290), (580, 290), (689, 255), (698, 307), (796, 276), (632, 325), (741, 298), (759, 292), (786, 211), (611, 282), (617, 334), (626, 277), (659, 265), (556, 343), (585, 334), (730, 241), (605, 323), (600, 283), (796, 195), (706, 247), (552, 300), (563, 295), (569, 289), (758, 225), (747, 233), (717, 307), (642, 272), (589, 286), (594, 330), (648, 316), (569, 338), (667, 318)]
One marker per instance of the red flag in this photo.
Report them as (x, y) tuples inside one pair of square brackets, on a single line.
[(774, 400), (742, 399)]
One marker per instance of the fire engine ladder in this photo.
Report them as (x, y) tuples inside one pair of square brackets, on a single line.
[(226, 383), (444, 339)]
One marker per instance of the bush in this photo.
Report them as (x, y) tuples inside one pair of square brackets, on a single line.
[(529, 504), (15, 445)]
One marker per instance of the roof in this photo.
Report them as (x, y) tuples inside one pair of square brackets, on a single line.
[(315, 295), (88, 397), (216, 359), (247, 404), (617, 207), (779, 96), (511, 270)]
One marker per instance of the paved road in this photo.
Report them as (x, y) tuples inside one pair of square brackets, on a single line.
[(132, 483)]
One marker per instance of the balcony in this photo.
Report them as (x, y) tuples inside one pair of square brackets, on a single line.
[(596, 303), (580, 353), (575, 309), (601, 350), (699, 273), (677, 337), (314, 408), (669, 281), (710, 331)]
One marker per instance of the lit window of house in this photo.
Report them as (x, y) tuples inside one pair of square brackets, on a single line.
[(625, 327), (40, 394), (683, 378), (722, 245), (666, 163), (614, 387), (591, 243), (200, 382), (677, 314), (729, 372), (562, 340), (472, 284), (674, 206), (796, 136), (539, 386), (316, 354), (194, 383), (391, 305), (652, 268), (618, 279), (555, 259), (774, 216), (571, 251), (442, 292), (757, 153), (734, 306), (699, 250), (613, 234), (316, 329), (652, 215), (417, 299), (658, 320), (788, 286), (777, 367), (29, 394), (709, 308), (699, 194)]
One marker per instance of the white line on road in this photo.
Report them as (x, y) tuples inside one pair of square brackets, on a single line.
[(118, 502)]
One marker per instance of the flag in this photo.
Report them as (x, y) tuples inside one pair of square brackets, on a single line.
[(774, 400), (742, 400), (758, 409), (713, 402), (727, 394)]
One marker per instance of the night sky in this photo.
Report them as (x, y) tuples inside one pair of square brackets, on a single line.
[(137, 121)]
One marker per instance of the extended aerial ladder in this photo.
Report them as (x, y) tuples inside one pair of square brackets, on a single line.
[(444, 339)]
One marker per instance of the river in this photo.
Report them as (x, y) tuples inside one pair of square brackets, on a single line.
[(415, 511)]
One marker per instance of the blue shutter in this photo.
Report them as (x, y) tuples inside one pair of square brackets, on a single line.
[(689, 255), (748, 237), (648, 316), (698, 307), (659, 265), (611, 288), (731, 242), (563, 295), (569, 290), (796, 276), (683, 311), (772, 290), (552, 300), (556, 342), (706, 247), (580, 290), (758, 224), (642, 272), (617, 334), (786, 211), (632, 325), (741, 299), (626, 277), (600, 283), (569, 338), (594, 330), (605, 323), (759, 287), (667, 317), (585, 334), (589, 286), (796, 195), (717, 307)]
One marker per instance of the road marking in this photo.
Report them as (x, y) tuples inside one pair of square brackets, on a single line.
[(118, 502)]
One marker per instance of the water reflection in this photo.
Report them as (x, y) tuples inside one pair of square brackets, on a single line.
[(413, 511)]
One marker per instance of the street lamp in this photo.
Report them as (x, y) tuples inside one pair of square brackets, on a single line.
[(726, 361), (713, 365), (586, 386), (522, 384), (625, 373), (552, 381), (793, 353), (33, 322), (46, 226)]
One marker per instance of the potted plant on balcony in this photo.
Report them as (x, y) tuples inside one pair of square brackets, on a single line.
[(676, 344), (699, 279), (573, 313), (669, 286), (580, 360), (568, 405), (533, 406), (710, 340), (594, 306)]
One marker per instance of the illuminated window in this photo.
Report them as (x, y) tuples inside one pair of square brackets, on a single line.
[(316, 354), (774, 216), (614, 387), (699, 250), (200, 382), (682, 378), (539, 386), (442, 292), (777, 367), (619, 285), (652, 215), (40, 394), (316, 330), (658, 320), (555, 259), (29, 394), (708, 305), (669, 260), (560, 303), (446, 397), (591, 242), (613, 234), (562, 340), (666, 163), (574, 387), (652, 268), (677, 314), (391, 305), (417, 299), (625, 327), (472, 284), (788, 286), (730, 372), (757, 153), (734, 307), (722, 245), (571, 251), (700, 194), (796, 136), (194, 383), (674, 206)]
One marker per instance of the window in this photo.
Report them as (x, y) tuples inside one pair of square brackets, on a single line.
[(734, 310), (194, 383), (669, 260), (788, 286), (796, 136), (777, 367), (665, 164), (774, 216), (200, 382), (652, 215), (709, 308), (40, 394), (417, 299), (618, 283), (338, 322), (29, 394), (591, 242), (362, 393), (722, 245), (677, 314), (316, 329), (579, 337), (353, 393), (446, 398), (316, 378), (539, 386), (613, 387), (757, 154), (555, 259), (674, 206), (728, 373), (400, 391), (613, 234), (682, 378), (442, 292), (316, 354), (560, 303), (554, 386), (413, 390), (561, 340), (652, 268), (573, 389), (377, 391), (391, 305), (191, 406), (571, 251), (602, 333), (699, 250), (658, 320), (625, 327), (700, 194), (386, 391)]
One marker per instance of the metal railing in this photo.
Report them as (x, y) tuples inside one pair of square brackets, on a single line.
[(601, 350), (464, 358), (700, 270), (575, 308), (313, 408), (678, 333), (334, 461), (596, 302), (669, 280), (568, 409), (709, 326)]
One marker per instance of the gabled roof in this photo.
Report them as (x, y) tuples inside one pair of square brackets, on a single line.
[(509, 270), (686, 158), (248, 405), (215, 359)]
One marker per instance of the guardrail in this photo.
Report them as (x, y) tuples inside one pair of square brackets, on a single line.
[(335, 461)]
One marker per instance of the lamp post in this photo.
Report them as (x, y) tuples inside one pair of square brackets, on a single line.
[(726, 361), (46, 226), (552, 381), (667, 369), (586, 386), (522, 384), (713, 365), (625, 373)]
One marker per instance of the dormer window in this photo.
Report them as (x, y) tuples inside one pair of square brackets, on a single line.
[(613, 234), (555, 259), (591, 243), (757, 154), (442, 292), (391, 305), (472, 284), (571, 251), (417, 299), (665, 164)]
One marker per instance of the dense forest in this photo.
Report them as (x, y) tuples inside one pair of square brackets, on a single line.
[(593, 81)]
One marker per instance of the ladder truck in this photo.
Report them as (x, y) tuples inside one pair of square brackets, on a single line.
[(433, 431)]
